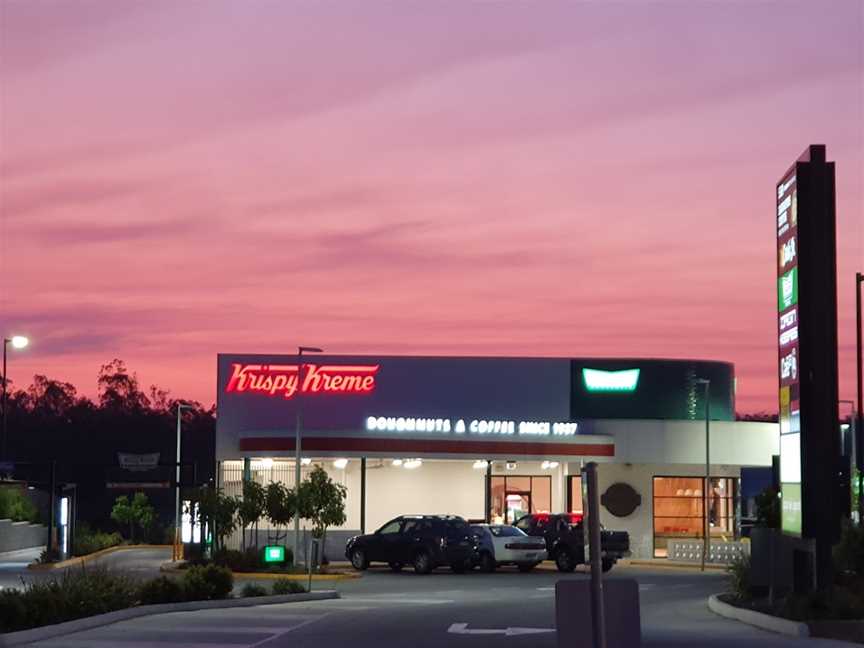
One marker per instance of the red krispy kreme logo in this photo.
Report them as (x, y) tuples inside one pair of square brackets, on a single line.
[(281, 380)]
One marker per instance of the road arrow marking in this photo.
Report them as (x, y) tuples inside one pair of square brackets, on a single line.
[(462, 628)]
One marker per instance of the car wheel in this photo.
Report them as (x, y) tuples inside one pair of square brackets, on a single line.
[(358, 559), (564, 561), (422, 563), (607, 564), (396, 566), (487, 562), (526, 567)]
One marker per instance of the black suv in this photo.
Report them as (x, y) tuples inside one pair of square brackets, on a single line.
[(424, 541), (565, 539)]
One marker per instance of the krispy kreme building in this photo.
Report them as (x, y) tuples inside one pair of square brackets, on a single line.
[(495, 438)]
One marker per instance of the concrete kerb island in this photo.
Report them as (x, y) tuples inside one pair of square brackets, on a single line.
[(172, 568), (87, 623), (758, 619), (83, 560)]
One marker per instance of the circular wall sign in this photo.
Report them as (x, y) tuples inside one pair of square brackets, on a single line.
[(621, 499)]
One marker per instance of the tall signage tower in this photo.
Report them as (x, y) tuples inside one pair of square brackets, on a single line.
[(807, 366)]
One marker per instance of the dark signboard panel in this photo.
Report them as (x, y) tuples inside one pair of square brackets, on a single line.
[(807, 351)]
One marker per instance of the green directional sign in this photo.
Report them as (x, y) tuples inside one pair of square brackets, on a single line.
[(787, 289), (274, 554)]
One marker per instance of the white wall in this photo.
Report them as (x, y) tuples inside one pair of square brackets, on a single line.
[(639, 524), (683, 442)]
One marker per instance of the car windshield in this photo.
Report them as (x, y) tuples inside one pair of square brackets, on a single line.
[(505, 531)]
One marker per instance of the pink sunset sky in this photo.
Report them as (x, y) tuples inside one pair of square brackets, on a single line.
[(179, 179)]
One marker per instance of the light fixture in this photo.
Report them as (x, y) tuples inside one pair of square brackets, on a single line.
[(19, 341), (305, 461), (267, 464), (340, 463), (397, 462), (599, 380), (511, 465), (548, 465), (411, 464), (480, 464)]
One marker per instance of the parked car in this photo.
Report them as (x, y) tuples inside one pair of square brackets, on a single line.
[(423, 541), (502, 544), (565, 539)]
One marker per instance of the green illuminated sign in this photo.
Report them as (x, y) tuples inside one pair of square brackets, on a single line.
[(598, 380), (274, 554), (790, 503), (787, 289)]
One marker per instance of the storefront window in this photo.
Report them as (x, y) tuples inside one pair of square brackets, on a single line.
[(678, 510), (574, 497), (513, 497)]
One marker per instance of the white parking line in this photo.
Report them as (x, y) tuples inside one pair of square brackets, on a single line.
[(291, 629)]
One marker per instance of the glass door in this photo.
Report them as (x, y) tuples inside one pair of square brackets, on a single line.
[(518, 504)]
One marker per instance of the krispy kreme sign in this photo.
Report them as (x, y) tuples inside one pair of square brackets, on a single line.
[(285, 380)]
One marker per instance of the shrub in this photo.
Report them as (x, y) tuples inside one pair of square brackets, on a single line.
[(838, 603), (248, 560), (48, 556), (286, 586), (76, 594), (739, 578), (849, 552), (13, 612), (161, 590), (202, 583), (87, 541), (16, 506), (251, 589)]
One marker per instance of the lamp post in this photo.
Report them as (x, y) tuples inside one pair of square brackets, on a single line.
[(706, 547), (859, 419), (17, 342), (178, 538), (297, 449)]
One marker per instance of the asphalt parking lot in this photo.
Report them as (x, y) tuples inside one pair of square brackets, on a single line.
[(440, 609)]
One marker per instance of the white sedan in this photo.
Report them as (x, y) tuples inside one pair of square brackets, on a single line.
[(502, 544)]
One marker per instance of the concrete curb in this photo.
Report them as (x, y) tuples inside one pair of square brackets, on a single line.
[(81, 560), (88, 623), (665, 564), (758, 619), (169, 568)]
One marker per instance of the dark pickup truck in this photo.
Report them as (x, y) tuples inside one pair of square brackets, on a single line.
[(565, 539)]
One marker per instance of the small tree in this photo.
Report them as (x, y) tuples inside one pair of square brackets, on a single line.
[(280, 506), (250, 509), (136, 513), (218, 511), (124, 514), (143, 512), (323, 503)]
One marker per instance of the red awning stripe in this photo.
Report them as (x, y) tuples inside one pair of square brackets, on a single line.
[(427, 446)]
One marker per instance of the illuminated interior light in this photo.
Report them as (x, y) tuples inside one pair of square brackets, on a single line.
[(511, 465), (598, 380), (305, 461), (397, 462), (411, 464), (340, 464), (548, 465), (480, 464), (266, 464)]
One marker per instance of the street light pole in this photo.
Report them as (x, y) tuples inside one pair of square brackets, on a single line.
[(706, 547), (178, 538), (297, 440), (17, 342), (859, 419)]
